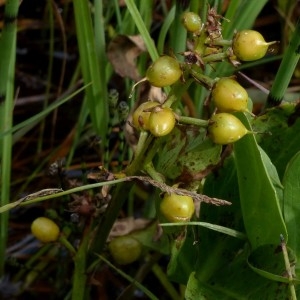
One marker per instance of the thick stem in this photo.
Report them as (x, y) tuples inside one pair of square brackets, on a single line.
[(192, 121)]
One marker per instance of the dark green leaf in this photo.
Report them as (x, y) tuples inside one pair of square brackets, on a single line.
[(259, 201), (291, 208)]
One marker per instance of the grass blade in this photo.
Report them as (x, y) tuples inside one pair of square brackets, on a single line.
[(286, 69)]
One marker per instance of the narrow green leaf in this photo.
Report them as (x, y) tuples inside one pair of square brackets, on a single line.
[(286, 69), (259, 201)]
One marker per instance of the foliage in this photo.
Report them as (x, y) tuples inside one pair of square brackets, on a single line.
[(242, 240)]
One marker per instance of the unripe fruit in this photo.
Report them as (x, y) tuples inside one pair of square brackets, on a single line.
[(225, 128), (191, 22), (125, 249), (164, 71), (249, 45), (140, 117), (177, 208), (45, 230), (229, 96), (161, 121)]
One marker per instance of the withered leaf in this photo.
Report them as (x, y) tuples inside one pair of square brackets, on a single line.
[(122, 53)]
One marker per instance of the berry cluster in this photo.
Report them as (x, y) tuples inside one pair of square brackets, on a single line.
[(226, 94)]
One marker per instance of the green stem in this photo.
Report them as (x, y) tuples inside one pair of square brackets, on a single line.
[(215, 57), (197, 74), (288, 269), (63, 240), (161, 276), (79, 274), (192, 121), (220, 42), (149, 168), (136, 165)]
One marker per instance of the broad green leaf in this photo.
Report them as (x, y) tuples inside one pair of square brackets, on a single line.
[(236, 280), (183, 256), (291, 204), (259, 201), (268, 262), (278, 134), (216, 249)]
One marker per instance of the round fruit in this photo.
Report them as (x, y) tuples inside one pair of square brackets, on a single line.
[(164, 71), (249, 45), (161, 121), (228, 95), (140, 117), (191, 22), (45, 230), (225, 128), (125, 249), (177, 208)]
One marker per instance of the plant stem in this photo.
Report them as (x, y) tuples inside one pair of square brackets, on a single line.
[(161, 276), (220, 42), (288, 268), (192, 121), (197, 74), (79, 274)]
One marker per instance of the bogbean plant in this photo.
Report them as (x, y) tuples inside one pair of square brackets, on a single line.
[(229, 252), (227, 213)]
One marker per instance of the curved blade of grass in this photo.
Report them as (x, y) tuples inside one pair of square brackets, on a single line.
[(90, 64), (286, 69), (215, 227), (259, 201), (242, 15), (36, 118), (142, 29), (164, 30), (129, 278)]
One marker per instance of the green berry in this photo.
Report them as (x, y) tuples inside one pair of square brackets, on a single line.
[(164, 71), (177, 208), (225, 128), (229, 96), (125, 249), (161, 121), (45, 230), (140, 117), (249, 45), (191, 21)]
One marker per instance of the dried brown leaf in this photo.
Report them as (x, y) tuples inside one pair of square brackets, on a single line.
[(122, 53)]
